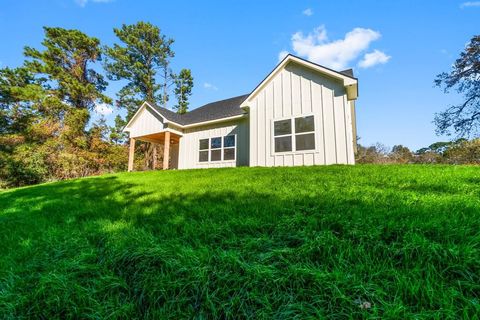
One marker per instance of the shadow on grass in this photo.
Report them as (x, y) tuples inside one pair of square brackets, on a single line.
[(109, 248)]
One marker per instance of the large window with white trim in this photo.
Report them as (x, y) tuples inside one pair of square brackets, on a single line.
[(217, 149), (295, 134)]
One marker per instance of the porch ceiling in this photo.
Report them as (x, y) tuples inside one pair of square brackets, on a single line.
[(159, 137)]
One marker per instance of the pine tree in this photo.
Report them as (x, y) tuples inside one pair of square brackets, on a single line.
[(183, 90), (141, 55)]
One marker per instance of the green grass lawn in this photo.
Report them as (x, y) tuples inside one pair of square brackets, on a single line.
[(274, 243)]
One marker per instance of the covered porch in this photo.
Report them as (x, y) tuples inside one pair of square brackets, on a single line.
[(161, 150)]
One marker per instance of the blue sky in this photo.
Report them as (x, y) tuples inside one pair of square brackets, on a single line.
[(395, 47)]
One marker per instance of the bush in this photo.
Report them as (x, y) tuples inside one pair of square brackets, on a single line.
[(464, 152)]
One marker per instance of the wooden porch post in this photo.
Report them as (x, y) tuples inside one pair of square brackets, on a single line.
[(154, 155), (131, 154), (166, 150)]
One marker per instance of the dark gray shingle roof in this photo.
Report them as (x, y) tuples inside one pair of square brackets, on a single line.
[(348, 72), (211, 111)]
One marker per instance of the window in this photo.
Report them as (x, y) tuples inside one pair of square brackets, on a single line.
[(282, 130), (304, 133), (229, 148), (304, 124), (300, 139), (283, 144), (203, 156), (229, 154), (283, 127), (215, 143), (217, 149)]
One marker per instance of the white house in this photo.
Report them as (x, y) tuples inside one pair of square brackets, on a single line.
[(300, 114)]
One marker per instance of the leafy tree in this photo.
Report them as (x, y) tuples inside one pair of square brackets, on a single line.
[(463, 152), (73, 87), (46, 105), (16, 86), (65, 62), (183, 90), (401, 154), (117, 135), (19, 94), (143, 52), (462, 119), (377, 153)]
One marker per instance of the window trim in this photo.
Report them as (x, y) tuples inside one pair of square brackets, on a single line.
[(222, 149), (293, 134)]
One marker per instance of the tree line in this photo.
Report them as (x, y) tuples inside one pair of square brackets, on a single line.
[(460, 151), (46, 104)]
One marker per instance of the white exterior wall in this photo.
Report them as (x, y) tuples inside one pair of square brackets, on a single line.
[(297, 91), (146, 122), (190, 143)]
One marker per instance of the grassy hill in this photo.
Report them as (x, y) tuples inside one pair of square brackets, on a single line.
[(311, 242)]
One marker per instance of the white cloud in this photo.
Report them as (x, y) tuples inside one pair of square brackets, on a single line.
[(470, 4), (103, 109), (210, 86), (83, 3), (282, 54), (308, 12), (373, 58), (335, 54)]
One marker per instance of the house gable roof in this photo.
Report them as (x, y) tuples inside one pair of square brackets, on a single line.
[(349, 81), (210, 112), (132, 120)]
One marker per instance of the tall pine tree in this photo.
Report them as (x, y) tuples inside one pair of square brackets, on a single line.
[(183, 90), (73, 86), (142, 54), (46, 106)]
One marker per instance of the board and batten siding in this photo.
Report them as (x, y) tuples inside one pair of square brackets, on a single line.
[(190, 144), (146, 122), (297, 91)]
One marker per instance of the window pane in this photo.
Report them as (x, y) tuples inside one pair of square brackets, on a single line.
[(203, 156), (203, 144), (304, 124), (216, 143), (229, 141), (216, 155), (229, 154), (283, 144), (282, 127), (305, 141)]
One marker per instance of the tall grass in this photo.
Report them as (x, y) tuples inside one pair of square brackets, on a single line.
[(340, 242)]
